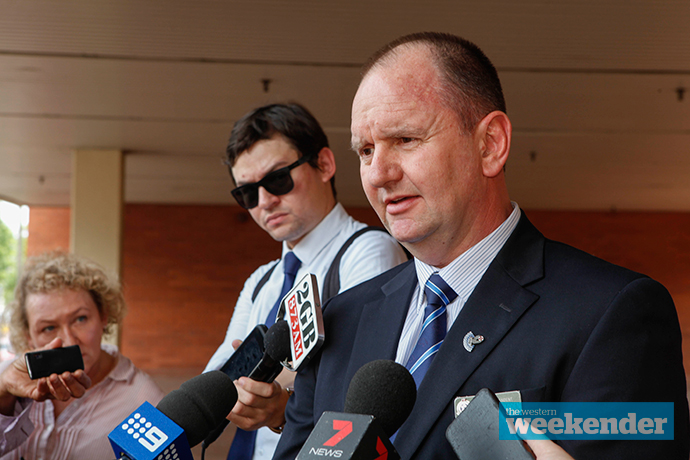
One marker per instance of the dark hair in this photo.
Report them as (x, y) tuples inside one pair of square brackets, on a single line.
[(470, 83), (292, 121)]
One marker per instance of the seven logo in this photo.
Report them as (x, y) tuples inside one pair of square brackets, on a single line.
[(343, 428)]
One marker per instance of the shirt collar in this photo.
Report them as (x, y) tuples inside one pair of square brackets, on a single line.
[(463, 273), (308, 249), (124, 369)]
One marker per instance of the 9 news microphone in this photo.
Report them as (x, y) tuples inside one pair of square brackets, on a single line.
[(179, 422), (379, 399), (277, 342)]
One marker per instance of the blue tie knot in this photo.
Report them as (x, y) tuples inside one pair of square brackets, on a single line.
[(437, 292), (291, 264)]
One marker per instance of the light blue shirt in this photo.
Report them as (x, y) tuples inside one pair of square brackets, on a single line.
[(462, 274)]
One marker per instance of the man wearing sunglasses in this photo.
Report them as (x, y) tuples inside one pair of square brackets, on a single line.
[(279, 159)]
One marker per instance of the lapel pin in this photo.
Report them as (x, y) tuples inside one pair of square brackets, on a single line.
[(471, 340)]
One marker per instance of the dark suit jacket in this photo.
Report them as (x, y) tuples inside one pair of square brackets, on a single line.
[(559, 325)]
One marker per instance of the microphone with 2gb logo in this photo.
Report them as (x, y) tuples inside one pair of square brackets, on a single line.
[(290, 343), (266, 369)]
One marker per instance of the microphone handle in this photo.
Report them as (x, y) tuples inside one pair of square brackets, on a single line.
[(213, 435), (267, 370)]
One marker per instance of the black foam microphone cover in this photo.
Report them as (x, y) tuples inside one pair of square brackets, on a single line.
[(276, 349), (277, 341), (200, 404), (384, 389)]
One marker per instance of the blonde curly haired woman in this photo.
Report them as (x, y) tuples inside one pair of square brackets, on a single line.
[(62, 300)]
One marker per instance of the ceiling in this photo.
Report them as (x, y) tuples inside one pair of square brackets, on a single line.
[(596, 90)]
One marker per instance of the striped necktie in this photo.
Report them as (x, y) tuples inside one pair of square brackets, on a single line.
[(438, 296)]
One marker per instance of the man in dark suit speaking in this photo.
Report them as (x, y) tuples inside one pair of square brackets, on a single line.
[(487, 301)]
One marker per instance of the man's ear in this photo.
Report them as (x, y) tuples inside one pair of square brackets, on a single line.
[(493, 135), (326, 164)]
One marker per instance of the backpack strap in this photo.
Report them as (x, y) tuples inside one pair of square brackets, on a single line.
[(331, 283), (263, 281)]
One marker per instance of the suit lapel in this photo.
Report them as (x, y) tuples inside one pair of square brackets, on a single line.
[(382, 319), (496, 304)]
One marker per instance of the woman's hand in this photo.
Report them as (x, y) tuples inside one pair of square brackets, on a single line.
[(16, 383)]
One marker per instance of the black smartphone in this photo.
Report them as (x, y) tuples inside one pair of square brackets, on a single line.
[(55, 361), (248, 355), (474, 433)]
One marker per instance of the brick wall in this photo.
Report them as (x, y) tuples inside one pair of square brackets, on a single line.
[(183, 266), (48, 230)]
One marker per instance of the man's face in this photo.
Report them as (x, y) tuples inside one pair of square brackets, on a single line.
[(291, 216), (421, 173)]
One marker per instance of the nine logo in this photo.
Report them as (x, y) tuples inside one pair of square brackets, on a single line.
[(149, 436)]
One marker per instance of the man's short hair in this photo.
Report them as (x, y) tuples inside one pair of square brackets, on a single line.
[(292, 121), (470, 83)]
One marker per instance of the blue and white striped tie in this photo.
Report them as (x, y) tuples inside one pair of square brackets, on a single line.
[(438, 296)]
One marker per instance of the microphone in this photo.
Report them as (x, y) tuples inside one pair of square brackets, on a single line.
[(277, 342), (474, 432), (302, 308), (379, 399), (179, 422)]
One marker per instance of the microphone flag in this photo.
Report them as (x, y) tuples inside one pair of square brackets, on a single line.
[(348, 437), (147, 434)]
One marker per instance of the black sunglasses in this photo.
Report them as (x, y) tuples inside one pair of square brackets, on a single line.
[(278, 182)]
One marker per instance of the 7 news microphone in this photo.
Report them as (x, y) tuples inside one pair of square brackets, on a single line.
[(179, 422), (379, 399)]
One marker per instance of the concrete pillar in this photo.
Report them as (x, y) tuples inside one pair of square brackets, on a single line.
[(96, 201)]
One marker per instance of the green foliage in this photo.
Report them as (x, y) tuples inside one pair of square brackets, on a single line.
[(8, 257)]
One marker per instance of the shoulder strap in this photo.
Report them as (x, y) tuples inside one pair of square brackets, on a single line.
[(263, 281), (331, 283)]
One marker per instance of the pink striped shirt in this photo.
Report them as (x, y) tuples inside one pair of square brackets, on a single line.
[(81, 430)]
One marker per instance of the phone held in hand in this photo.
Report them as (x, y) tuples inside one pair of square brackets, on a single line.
[(43, 363), (248, 355)]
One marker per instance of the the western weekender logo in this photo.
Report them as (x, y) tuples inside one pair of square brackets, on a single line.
[(587, 420)]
